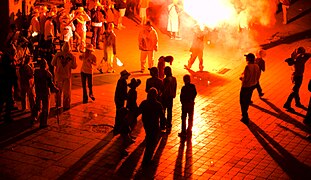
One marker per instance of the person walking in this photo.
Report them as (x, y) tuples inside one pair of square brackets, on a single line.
[(148, 43), (64, 61), (197, 48), (307, 119), (110, 50), (169, 93), (97, 19), (250, 78), (187, 98), (120, 97), (300, 58), (88, 62), (152, 111), (262, 66)]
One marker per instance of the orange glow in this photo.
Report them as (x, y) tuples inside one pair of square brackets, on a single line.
[(237, 13), (211, 13)]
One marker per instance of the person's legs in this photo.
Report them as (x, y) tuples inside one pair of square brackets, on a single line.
[(193, 56), (200, 56), (66, 93), (296, 88), (150, 59), (110, 57), (90, 85), (83, 80), (169, 112), (58, 95), (190, 118), (143, 56), (45, 111)]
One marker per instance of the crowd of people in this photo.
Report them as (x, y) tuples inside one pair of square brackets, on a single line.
[(68, 27)]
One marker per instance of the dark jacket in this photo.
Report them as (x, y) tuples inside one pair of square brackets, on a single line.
[(121, 93), (188, 93)]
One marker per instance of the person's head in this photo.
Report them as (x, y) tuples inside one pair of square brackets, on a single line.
[(186, 79), (168, 71), (148, 26), (154, 72), (250, 57), (261, 53), (98, 6), (43, 64), (66, 47), (152, 94), (301, 50), (89, 48), (110, 27), (134, 83), (124, 74)]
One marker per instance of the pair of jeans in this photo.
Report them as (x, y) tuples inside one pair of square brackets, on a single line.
[(167, 103), (96, 36), (297, 81), (89, 78), (187, 109), (245, 99)]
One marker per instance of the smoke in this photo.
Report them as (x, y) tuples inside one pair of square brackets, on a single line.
[(231, 22)]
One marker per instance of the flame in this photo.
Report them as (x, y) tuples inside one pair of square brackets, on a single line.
[(119, 62), (238, 13)]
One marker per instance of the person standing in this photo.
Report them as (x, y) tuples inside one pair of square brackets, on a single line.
[(27, 83), (88, 62), (120, 97), (300, 58), (169, 93), (197, 48), (187, 98), (152, 111), (82, 17), (110, 50), (173, 19), (97, 19), (250, 78), (262, 66), (44, 86), (143, 4), (154, 81), (64, 62), (148, 43), (307, 119), (131, 103)]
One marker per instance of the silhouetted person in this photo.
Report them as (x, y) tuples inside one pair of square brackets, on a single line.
[(187, 97), (152, 111), (154, 81), (307, 119), (169, 93), (8, 79), (44, 86), (120, 97), (249, 78), (131, 103), (300, 58)]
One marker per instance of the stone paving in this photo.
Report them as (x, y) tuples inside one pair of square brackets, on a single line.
[(275, 145)]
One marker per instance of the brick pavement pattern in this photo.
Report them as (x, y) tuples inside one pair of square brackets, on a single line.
[(275, 145)]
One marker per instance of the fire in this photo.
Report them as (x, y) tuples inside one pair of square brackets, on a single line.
[(238, 13)]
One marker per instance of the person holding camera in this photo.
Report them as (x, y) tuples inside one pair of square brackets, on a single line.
[(298, 60)]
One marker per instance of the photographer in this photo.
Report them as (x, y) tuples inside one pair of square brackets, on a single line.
[(299, 59)]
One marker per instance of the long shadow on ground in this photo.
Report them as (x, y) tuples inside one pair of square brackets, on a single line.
[(290, 164)]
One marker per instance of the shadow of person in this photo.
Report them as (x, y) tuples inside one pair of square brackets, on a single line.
[(86, 158), (281, 115), (148, 172), (307, 138), (290, 164), (189, 163), (302, 14), (178, 164)]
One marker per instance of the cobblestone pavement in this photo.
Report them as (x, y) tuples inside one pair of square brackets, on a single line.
[(275, 145)]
